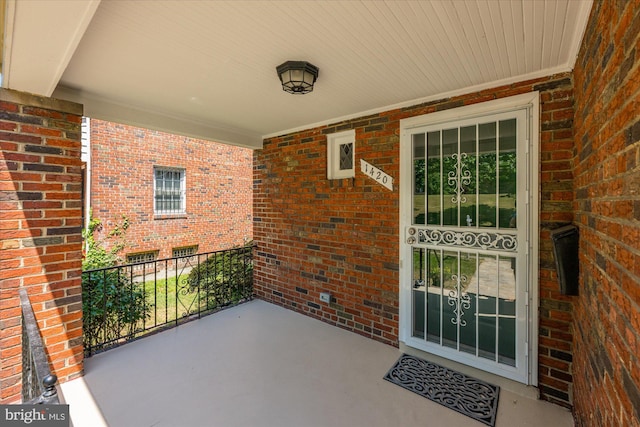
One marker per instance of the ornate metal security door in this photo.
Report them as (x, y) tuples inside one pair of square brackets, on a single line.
[(468, 242)]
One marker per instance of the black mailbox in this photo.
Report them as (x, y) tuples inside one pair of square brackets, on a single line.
[(565, 250)]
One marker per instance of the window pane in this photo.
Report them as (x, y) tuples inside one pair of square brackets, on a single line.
[(346, 156), (169, 197), (418, 292), (507, 340), (434, 179), (434, 294), (419, 174), (507, 311), (469, 287), (183, 252), (507, 173), (487, 175), (488, 276)]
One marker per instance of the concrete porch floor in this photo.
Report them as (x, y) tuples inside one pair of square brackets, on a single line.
[(262, 365)]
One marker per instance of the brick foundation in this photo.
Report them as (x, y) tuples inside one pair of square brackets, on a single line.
[(607, 169), (219, 193), (40, 240), (341, 236)]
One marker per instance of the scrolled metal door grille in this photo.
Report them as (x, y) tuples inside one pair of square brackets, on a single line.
[(468, 184), (459, 300), (459, 178), (469, 239)]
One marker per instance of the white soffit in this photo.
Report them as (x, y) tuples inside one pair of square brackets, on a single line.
[(207, 68), (40, 37)]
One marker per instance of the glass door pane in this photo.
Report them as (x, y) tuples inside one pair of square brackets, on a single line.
[(419, 179), (507, 187), (434, 179), (434, 295), (487, 166)]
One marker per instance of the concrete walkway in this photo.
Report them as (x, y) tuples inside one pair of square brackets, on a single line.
[(262, 365)]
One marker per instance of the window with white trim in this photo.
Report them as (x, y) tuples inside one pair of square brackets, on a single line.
[(184, 251), (341, 155), (169, 191), (142, 257)]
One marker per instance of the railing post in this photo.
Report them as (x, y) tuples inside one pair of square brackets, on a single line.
[(36, 369), (50, 394)]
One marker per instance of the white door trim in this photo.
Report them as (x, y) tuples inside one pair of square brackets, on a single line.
[(530, 101)]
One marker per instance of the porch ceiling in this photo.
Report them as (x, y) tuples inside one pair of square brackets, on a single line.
[(207, 68)]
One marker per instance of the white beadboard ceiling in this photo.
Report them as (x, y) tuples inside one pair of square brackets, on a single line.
[(207, 68)]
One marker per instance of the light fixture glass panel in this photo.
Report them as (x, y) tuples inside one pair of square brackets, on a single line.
[(296, 75), (308, 78)]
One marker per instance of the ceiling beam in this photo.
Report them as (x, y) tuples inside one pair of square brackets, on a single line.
[(108, 110), (40, 38)]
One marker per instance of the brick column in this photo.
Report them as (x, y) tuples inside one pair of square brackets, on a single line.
[(40, 232), (607, 204), (555, 351)]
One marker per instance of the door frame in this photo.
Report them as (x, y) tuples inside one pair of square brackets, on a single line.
[(531, 102)]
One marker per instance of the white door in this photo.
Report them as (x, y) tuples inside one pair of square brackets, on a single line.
[(465, 236)]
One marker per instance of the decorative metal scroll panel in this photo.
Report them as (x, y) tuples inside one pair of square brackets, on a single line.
[(460, 301), (459, 178), (485, 240)]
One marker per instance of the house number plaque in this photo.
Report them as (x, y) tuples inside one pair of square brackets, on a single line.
[(376, 174)]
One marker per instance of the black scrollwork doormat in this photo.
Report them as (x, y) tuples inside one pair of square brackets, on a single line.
[(467, 395)]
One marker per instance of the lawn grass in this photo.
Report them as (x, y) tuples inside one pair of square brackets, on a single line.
[(165, 301)]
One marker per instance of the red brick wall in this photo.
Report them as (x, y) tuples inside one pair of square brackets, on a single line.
[(556, 196), (40, 241), (607, 168), (219, 194), (341, 236)]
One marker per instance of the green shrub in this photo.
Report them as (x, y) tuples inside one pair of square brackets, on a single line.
[(224, 277), (112, 304)]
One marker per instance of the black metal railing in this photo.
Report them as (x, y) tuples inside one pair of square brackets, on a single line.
[(126, 302), (38, 384)]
